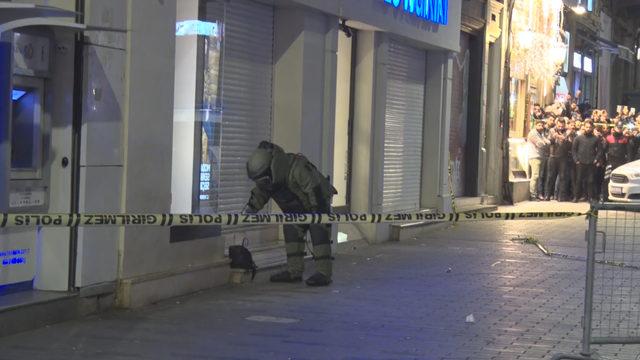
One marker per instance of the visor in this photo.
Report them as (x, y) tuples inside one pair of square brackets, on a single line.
[(264, 180)]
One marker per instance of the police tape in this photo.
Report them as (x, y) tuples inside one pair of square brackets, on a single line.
[(168, 220)]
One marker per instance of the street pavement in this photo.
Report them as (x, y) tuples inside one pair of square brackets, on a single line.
[(469, 291)]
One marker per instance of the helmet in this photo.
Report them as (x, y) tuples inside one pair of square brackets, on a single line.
[(259, 164)]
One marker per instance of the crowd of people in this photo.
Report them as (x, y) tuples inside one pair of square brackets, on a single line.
[(573, 150)]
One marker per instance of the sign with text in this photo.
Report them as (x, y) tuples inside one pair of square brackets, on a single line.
[(436, 11)]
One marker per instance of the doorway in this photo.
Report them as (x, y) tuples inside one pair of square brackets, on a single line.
[(464, 140)]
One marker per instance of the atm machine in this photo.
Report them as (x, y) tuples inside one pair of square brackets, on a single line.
[(28, 177), (36, 172)]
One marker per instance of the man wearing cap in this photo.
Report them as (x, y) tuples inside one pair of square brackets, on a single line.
[(617, 151), (297, 186)]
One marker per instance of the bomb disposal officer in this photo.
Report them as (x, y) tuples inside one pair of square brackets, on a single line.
[(297, 186)]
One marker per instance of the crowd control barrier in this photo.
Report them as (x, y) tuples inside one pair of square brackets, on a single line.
[(612, 289)]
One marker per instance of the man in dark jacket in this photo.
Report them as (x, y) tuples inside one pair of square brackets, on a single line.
[(586, 154), (572, 133), (618, 151), (296, 186), (557, 163), (634, 140)]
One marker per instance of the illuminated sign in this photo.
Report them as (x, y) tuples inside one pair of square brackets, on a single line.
[(17, 94), (578, 60), (588, 64), (14, 257), (436, 11), (205, 180), (196, 27)]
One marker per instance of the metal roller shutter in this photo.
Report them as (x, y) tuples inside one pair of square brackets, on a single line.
[(246, 95), (403, 128)]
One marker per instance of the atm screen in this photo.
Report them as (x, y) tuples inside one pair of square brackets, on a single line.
[(17, 94), (26, 133)]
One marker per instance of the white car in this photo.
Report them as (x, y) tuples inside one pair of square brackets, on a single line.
[(625, 183)]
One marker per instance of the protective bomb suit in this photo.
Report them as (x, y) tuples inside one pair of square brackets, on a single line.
[(297, 186)]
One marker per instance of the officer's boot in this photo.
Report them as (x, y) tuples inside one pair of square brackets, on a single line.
[(294, 245), (320, 236)]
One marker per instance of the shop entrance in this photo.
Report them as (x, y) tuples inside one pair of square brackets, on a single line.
[(465, 116)]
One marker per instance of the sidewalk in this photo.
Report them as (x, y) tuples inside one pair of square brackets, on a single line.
[(404, 300)]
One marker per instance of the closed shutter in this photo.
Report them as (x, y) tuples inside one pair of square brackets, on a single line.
[(459, 108), (403, 128), (246, 95)]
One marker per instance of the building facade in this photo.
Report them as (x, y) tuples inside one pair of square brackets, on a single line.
[(474, 148), (169, 98), (598, 69)]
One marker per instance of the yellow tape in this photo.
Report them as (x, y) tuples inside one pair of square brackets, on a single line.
[(168, 220)]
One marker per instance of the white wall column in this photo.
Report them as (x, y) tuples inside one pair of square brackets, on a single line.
[(304, 84), (101, 149), (368, 131), (435, 169), (150, 266)]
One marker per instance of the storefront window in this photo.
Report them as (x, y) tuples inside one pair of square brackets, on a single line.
[(567, 41), (583, 70), (561, 90), (518, 100), (210, 124), (197, 109), (518, 159), (513, 104)]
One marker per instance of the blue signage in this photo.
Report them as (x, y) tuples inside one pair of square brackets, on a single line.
[(436, 11), (196, 27)]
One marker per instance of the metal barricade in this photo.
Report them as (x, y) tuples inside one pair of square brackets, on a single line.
[(612, 290)]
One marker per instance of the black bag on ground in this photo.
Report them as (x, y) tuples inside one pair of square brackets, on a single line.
[(241, 258)]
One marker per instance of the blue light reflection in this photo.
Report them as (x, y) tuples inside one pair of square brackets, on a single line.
[(17, 94)]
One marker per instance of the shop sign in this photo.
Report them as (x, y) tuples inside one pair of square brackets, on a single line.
[(436, 11)]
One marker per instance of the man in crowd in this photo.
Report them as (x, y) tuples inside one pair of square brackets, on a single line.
[(604, 117), (601, 132), (538, 154), (634, 141), (570, 174), (617, 151), (560, 145), (537, 113), (575, 110), (550, 123), (586, 153), (566, 112)]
